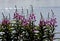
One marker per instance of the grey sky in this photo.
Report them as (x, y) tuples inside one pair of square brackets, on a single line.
[(26, 3)]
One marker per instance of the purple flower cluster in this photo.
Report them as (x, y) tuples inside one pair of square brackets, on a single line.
[(23, 19), (42, 23), (53, 21), (5, 21), (18, 17), (24, 27), (50, 22), (25, 22), (32, 17)]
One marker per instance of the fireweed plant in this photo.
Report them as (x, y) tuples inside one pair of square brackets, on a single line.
[(5, 28), (25, 28)]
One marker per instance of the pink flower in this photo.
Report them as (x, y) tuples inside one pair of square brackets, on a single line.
[(25, 22), (42, 23), (5, 21), (32, 17), (53, 21), (18, 17), (48, 22), (21, 17)]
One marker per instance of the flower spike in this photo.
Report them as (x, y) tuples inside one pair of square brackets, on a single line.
[(52, 13), (22, 10), (9, 16), (41, 15), (32, 8), (3, 15), (15, 8), (48, 16), (27, 13)]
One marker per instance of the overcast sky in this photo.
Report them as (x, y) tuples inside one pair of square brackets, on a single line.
[(26, 3)]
